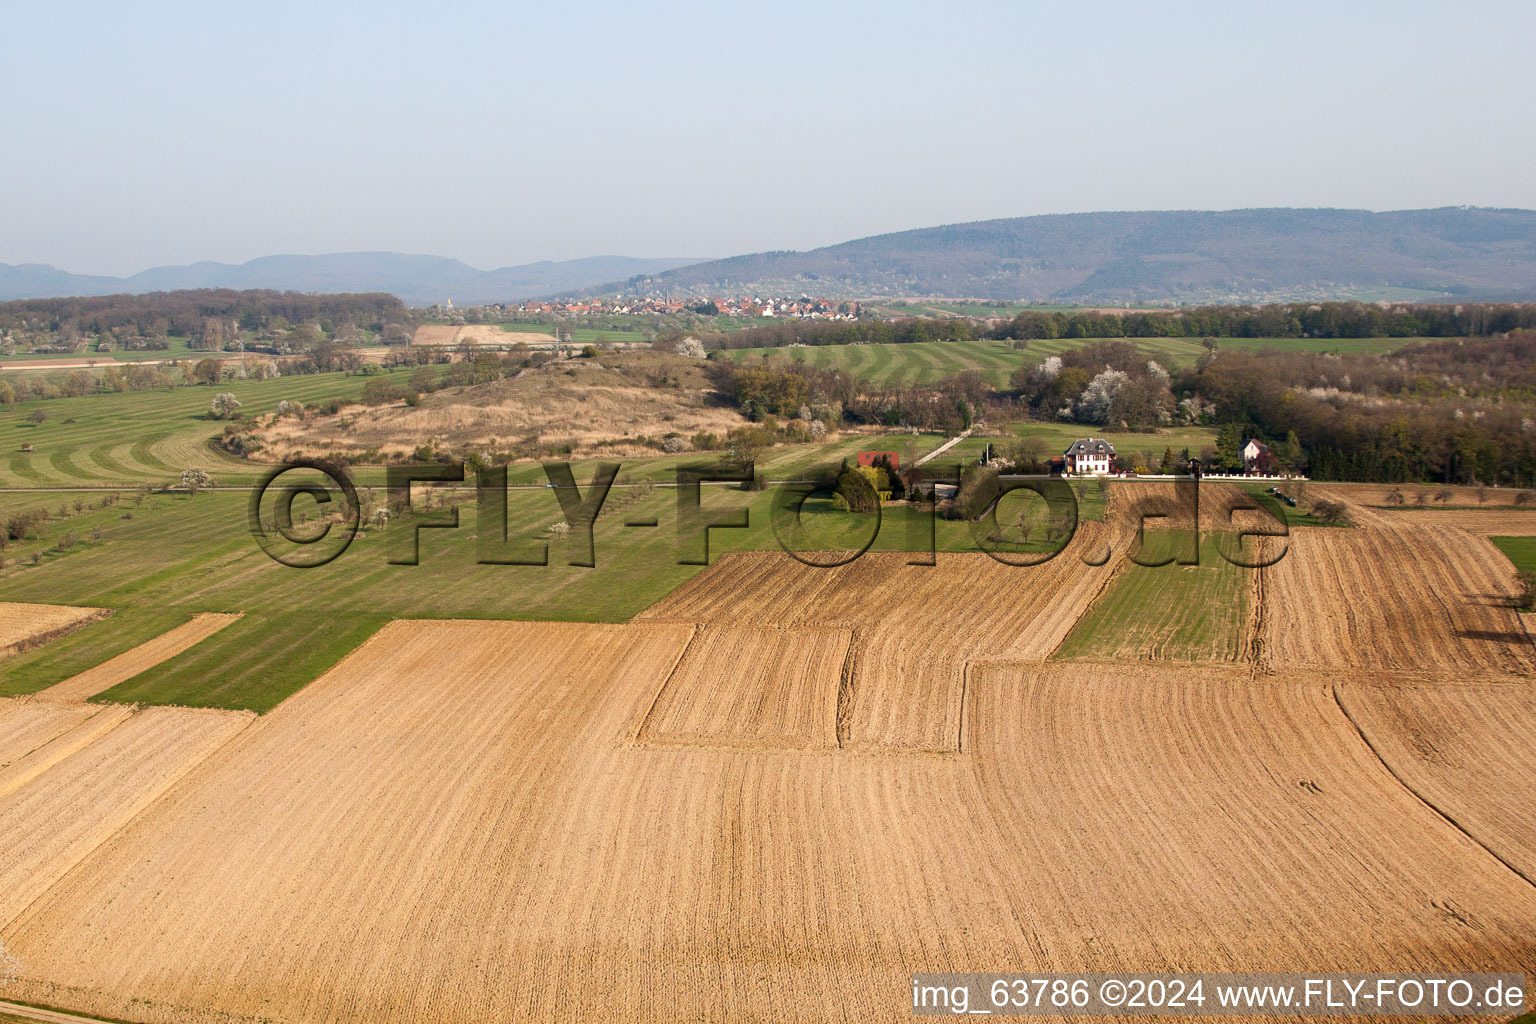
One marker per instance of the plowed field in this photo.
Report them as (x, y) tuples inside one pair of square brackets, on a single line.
[(1399, 597), (753, 686), (457, 825), (57, 818), (1465, 747)]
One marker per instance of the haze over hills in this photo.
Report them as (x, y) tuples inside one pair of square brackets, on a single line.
[(418, 280), (1184, 256), (1091, 258)]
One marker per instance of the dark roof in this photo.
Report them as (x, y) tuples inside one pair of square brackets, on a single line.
[(1090, 446)]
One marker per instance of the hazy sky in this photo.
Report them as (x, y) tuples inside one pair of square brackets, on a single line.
[(150, 133)]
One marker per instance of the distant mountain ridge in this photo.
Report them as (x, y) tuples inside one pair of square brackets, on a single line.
[(418, 280), (1185, 256), (1086, 258)]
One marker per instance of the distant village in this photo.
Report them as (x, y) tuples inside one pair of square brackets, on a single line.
[(802, 308)]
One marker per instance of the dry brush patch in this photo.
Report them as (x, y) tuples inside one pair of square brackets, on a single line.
[(141, 658), (576, 401), (1399, 597), (1464, 746), (456, 825), (27, 625)]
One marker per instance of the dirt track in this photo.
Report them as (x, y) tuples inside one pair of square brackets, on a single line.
[(145, 656)]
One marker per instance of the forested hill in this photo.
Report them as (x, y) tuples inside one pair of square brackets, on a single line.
[(1189, 256)]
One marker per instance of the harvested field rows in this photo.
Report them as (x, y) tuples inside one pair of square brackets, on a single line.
[(1490, 522), (915, 627), (44, 734), (1400, 597), (525, 860), (26, 625), (753, 686), (1465, 747), (1213, 800), (145, 656), (25, 726), (57, 818)]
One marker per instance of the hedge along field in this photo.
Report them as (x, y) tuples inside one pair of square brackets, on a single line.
[(179, 555)]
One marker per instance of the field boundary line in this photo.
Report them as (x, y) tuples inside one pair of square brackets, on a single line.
[(47, 1016), (1253, 651), (64, 746), (170, 787), (645, 719), (1420, 797), (965, 686)]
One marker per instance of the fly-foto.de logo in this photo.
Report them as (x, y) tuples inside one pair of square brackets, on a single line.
[(307, 512)]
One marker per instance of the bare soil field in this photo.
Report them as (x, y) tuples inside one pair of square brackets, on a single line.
[(1401, 597), (1491, 522), (26, 725), (916, 628), (753, 686), (27, 625), (457, 825), (434, 334), (145, 656), (477, 334), (1464, 746), (35, 736), (57, 818)]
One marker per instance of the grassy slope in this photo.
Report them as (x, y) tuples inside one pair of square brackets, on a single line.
[(142, 437)]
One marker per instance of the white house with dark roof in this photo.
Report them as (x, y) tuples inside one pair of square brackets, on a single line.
[(1090, 455), (1258, 458)]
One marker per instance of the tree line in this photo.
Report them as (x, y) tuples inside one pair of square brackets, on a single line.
[(184, 313), (1281, 320)]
